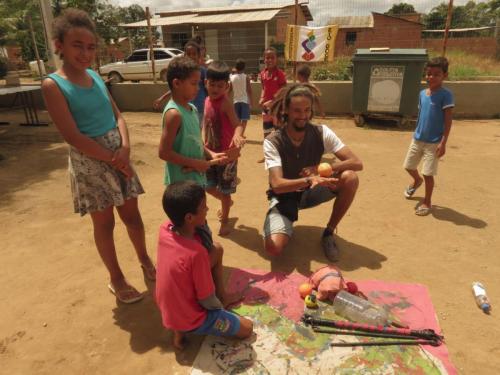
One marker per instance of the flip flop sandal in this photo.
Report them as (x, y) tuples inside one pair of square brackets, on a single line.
[(149, 272), (119, 294), (422, 211), (410, 190)]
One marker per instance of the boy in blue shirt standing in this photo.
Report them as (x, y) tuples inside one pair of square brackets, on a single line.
[(430, 137)]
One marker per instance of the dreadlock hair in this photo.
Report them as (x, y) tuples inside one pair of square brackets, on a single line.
[(283, 98)]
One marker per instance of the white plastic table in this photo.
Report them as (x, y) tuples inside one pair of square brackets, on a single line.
[(25, 94)]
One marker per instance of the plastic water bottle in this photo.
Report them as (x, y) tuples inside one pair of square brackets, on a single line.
[(359, 310), (481, 297)]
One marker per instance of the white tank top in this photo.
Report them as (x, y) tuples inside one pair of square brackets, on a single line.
[(239, 82)]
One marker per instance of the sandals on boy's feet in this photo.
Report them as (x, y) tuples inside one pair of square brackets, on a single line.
[(410, 190), (422, 211), (126, 295)]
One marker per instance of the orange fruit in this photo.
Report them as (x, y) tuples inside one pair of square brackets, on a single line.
[(325, 170), (305, 289)]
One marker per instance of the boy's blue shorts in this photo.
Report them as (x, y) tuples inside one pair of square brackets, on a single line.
[(219, 323), (242, 111)]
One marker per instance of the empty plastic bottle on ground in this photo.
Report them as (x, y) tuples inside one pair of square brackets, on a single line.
[(359, 310), (481, 297)]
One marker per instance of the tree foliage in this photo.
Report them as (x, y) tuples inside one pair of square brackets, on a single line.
[(14, 28), (472, 14), (401, 8)]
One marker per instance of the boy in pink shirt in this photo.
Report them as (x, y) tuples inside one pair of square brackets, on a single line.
[(273, 79), (185, 289)]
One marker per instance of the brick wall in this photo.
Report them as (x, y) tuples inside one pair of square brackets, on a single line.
[(386, 32), (485, 46), (15, 57)]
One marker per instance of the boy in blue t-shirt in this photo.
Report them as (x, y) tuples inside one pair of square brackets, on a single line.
[(430, 137)]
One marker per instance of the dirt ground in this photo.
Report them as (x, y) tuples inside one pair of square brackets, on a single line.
[(59, 317)]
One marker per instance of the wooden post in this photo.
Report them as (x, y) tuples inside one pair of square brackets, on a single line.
[(37, 55), (46, 12), (497, 37), (150, 41), (266, 36), (296, 16), (447, 28), (129, 41)]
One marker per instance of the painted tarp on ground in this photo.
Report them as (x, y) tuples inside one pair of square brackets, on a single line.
[(283, 345)]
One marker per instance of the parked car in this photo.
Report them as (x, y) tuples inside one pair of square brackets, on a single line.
[(138, 65)]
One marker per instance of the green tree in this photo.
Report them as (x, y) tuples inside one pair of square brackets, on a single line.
[(472, 14), (401, 8), (107, 17), (135, 13), (14, 28)]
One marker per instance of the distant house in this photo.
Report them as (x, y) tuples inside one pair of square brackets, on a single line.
[(377, 30), (13, 54), (231, 32), (117, 50)]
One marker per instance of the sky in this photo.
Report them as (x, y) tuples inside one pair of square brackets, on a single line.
[(321, 10)]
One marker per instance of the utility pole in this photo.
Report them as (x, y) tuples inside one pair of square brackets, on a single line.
[(447, 28), (150, 40), (296, 16), (39, 64), (46, 10), (497, 37)]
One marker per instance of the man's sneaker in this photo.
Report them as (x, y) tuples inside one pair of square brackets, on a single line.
[(330, 248)]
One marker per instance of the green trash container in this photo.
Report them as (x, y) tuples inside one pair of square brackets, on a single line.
[(386, 83)]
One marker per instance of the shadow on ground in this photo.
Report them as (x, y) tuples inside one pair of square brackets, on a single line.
[(42, 146), (457, 218), (449, 214), (305, 247), (143, 321)]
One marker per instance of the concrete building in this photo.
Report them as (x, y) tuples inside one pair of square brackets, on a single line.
[(231, 32), (376, 30)]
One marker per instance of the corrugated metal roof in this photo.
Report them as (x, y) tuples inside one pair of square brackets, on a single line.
[(161, 21), (254, 16), (235, 8), (352, 21)]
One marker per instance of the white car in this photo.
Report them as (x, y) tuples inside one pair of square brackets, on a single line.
[(138, 65)]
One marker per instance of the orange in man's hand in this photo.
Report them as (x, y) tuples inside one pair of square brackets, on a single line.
[(325, 170)]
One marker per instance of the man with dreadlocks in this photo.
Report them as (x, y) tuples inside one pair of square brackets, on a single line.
[(292, 154)]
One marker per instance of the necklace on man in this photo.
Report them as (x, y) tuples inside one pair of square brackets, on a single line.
[(295, 140)]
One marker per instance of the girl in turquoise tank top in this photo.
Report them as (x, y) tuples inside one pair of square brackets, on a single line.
[(99, 165)]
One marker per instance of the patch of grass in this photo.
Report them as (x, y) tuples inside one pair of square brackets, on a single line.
[(338, 70), (468, 66), (463, 66)]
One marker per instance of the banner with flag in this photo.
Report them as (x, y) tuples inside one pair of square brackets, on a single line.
[(310, 43)]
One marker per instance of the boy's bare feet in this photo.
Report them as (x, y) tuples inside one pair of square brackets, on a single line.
[(228, 299), (179, 340), (219, 211), (225, 228)]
